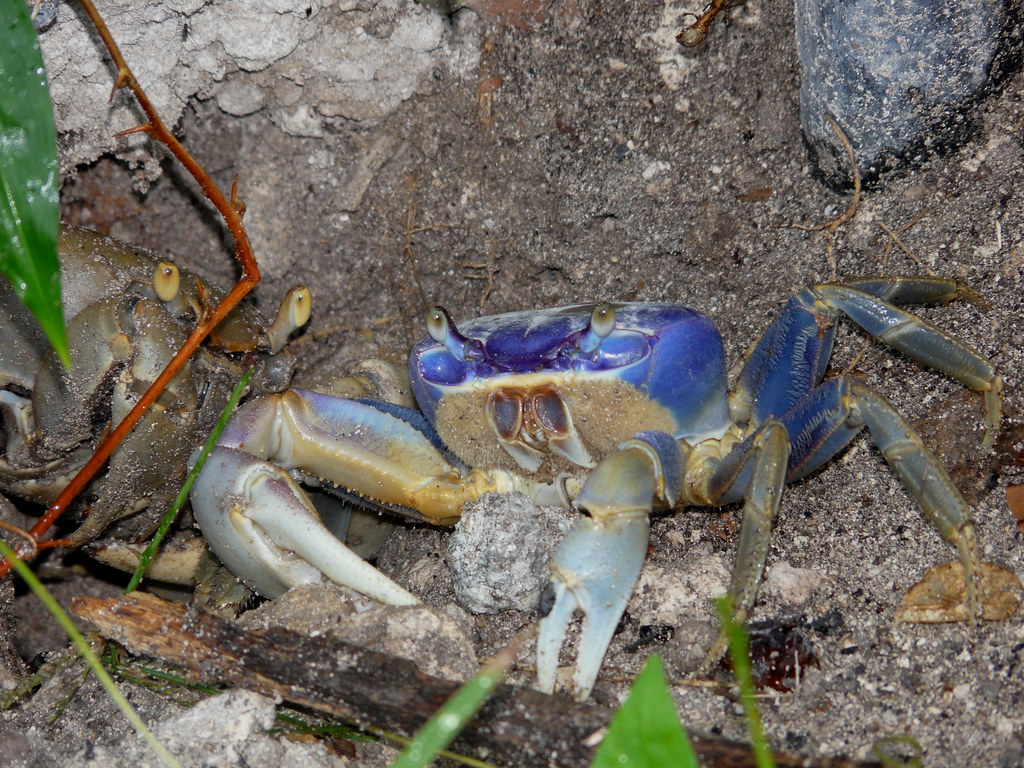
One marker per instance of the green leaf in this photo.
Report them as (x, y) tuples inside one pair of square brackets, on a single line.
[(646, 732), (445, 724), (739, 654), (29, 176)]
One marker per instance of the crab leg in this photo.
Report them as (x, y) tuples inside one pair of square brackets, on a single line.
[(598, 563), (263, 527), (792, 356), (758, 467), (850, 407)]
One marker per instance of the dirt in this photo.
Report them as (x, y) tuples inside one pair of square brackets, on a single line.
[(576, 155)]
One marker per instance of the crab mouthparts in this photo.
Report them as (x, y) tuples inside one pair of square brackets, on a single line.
[(533, 422)]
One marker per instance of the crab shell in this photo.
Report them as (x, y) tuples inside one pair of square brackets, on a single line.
[(121, 335), (552, 407)]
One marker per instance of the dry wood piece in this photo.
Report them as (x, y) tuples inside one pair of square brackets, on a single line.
[(517, 727)]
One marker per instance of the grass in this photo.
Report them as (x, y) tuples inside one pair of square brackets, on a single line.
[(94, 664), (739, 655), (172, 513)]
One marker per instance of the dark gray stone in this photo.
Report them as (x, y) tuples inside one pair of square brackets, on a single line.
[(903, 78)]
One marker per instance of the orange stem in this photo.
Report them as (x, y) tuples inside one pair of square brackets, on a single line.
[(232, 214)]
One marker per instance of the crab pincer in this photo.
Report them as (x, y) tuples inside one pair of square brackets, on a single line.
[(597, 565), (263, 526)]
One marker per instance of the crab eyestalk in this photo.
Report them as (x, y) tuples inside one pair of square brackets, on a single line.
[(293, 313), (166, 281), (442, 329), (602, 323)]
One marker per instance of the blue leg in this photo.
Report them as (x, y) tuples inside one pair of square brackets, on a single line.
[(820, 426), (847, 406), (791, 357)]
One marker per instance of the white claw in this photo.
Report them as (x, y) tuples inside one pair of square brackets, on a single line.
[(595, 571), (271, 537)]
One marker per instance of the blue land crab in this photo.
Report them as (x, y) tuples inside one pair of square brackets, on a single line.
[(623, 408), (126, 313)]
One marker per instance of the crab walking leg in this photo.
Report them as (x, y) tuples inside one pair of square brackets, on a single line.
[(921, 341), (262, 525), (265, 530), (924, 477), (831, 415), (598, 563), (758, 466), (792, 355)]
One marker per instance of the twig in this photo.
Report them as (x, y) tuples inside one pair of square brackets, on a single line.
[(410, 230), (517, 726), (830, 227), (484, 271), (917, 217), (231, 210), (697, 33), (894, 236)]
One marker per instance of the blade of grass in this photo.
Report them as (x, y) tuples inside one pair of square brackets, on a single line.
[(318, 729), (885, 749), (29, 176), (209, 690), (172, 513), (646, 731), (90, 658), (739, 654), (445, 724)]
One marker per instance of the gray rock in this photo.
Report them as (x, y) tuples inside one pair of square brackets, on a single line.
[(226, 730), (901, 77), (500, 552)]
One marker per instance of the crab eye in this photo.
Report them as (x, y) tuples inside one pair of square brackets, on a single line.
[(602, 323), (442, 329), (438, 324), (166, 281), (293, 313)]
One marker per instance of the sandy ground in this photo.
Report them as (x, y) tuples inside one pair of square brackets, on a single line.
[(578, 156)]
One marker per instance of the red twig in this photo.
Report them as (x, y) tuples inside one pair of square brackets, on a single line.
[(231, 210)]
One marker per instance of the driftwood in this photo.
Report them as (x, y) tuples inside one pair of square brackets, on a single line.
[(516, 727)]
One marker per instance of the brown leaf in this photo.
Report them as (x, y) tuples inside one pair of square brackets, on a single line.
[(1015, 501), (940, 595)]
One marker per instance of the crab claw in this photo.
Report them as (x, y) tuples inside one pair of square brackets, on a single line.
[(598, 563), (264, 528), (267, 532)]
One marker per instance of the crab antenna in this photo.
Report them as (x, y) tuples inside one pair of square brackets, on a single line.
[(442, 329), (602, 323)]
